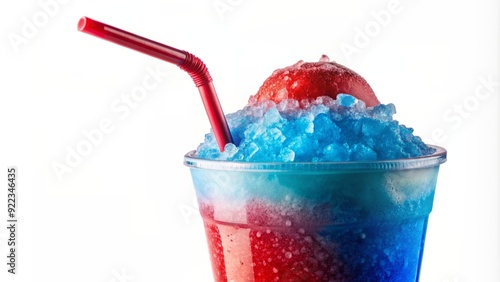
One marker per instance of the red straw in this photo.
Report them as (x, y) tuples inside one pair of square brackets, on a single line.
[(185, 60)]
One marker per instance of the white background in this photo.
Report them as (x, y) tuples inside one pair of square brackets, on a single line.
[(125, 211)]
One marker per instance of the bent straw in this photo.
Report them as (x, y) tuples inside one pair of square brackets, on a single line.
[(185, 60)]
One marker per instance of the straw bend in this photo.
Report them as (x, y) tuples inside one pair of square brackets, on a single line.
[(196, 69)]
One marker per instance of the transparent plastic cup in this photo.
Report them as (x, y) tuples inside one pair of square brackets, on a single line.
[(329, 221)]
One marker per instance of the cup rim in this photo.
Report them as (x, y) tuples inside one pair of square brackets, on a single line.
[(435, 159)]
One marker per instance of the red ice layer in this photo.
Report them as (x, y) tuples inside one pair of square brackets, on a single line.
[(311, 80)]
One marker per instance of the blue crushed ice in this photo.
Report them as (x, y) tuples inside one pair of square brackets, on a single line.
[(317, 130)]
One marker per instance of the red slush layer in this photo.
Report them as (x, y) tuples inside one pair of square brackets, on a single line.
[(243, 253)]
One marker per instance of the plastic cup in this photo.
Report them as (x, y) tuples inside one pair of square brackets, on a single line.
[(332, 221)]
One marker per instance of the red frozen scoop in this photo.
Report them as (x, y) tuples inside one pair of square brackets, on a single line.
[(311, 80)]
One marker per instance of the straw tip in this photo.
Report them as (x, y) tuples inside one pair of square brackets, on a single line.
[(85, 24), (82, 23)]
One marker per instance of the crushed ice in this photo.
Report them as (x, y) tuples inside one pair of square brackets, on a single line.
[(323, 129)]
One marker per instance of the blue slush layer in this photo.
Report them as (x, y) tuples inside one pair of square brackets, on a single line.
[(320, 130), (380, 252)]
